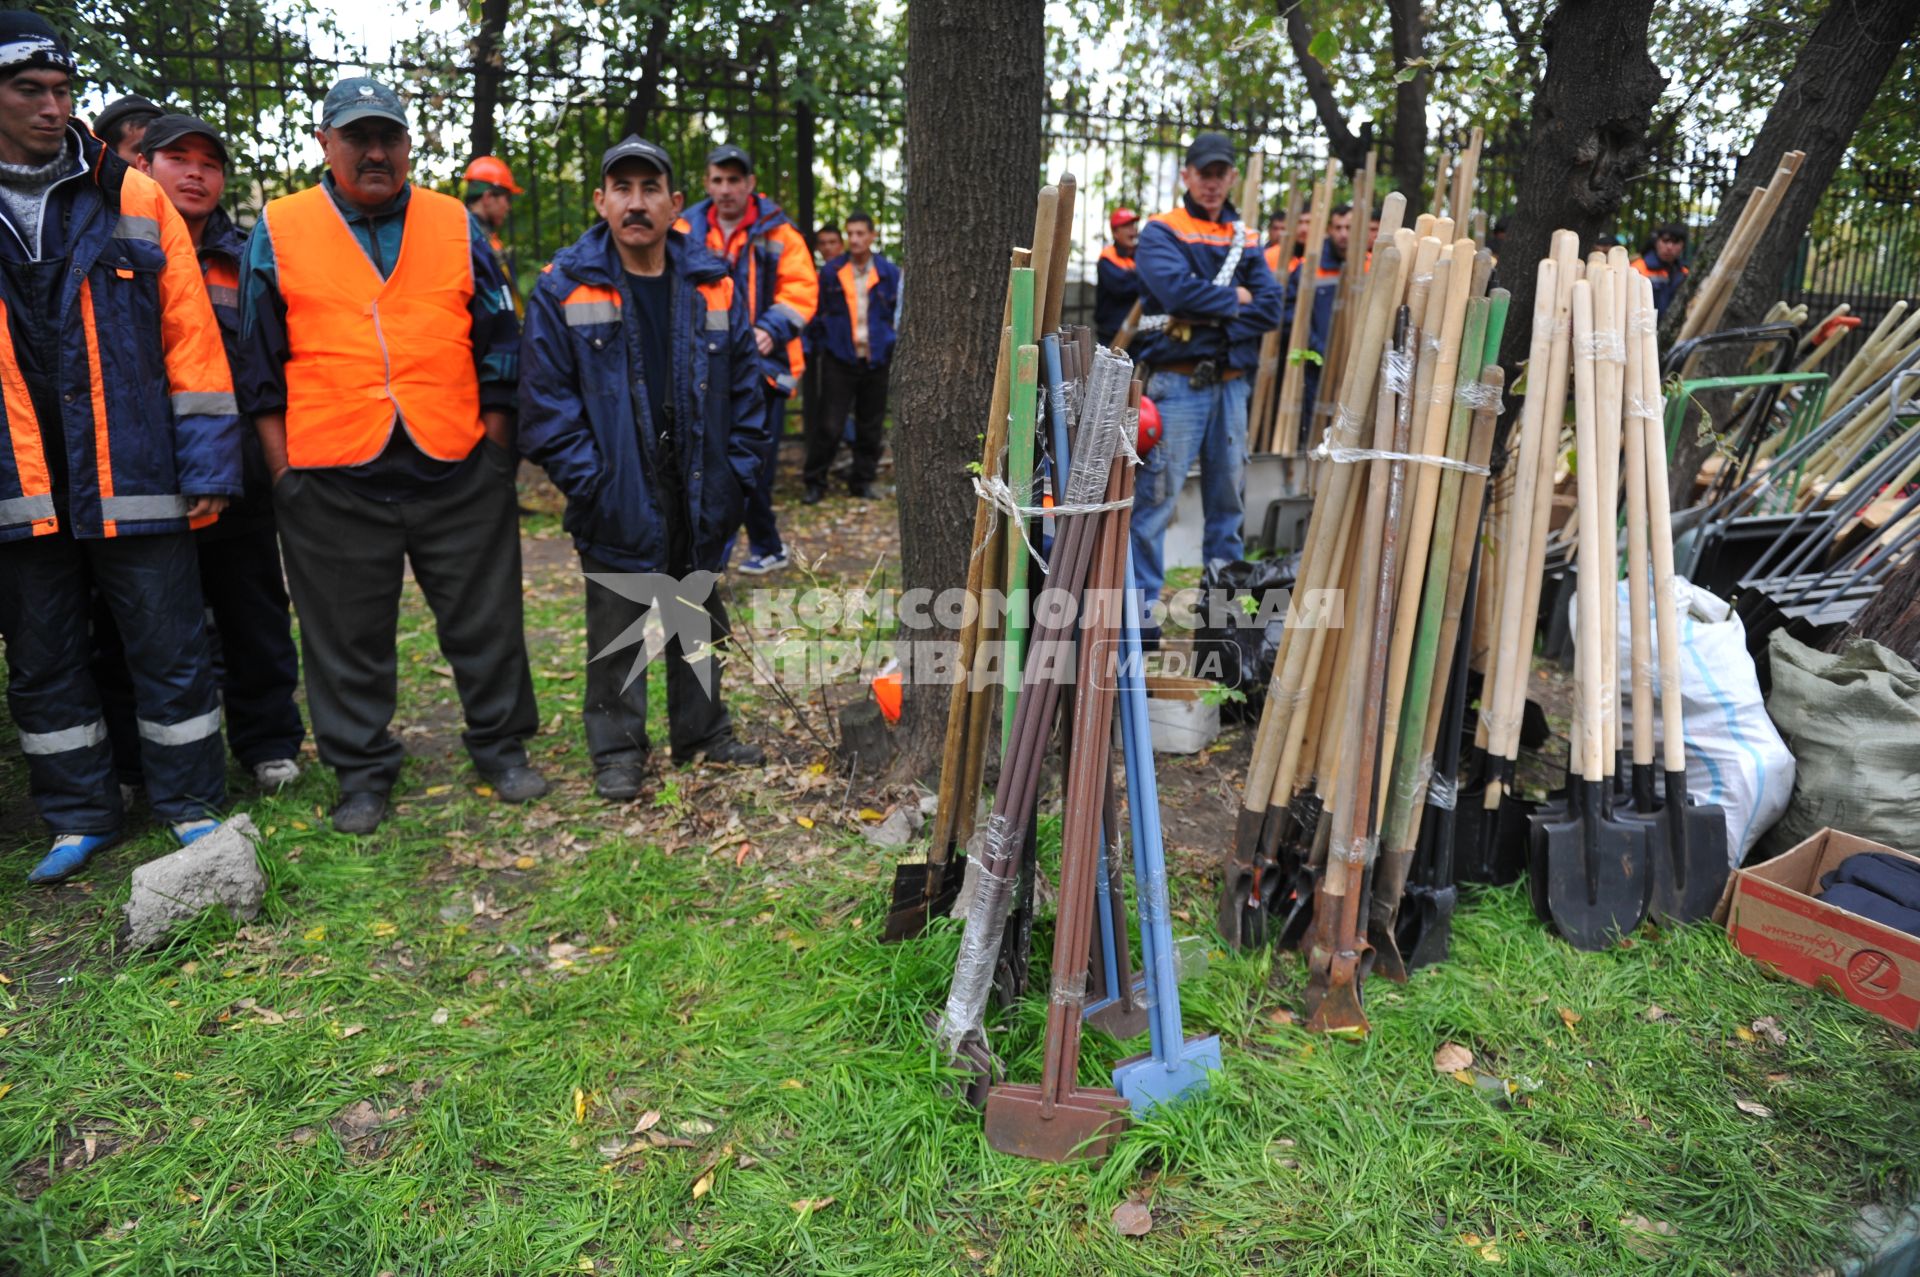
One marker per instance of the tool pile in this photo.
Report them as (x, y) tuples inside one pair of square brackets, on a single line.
[(1355, 800), (1067, 413)]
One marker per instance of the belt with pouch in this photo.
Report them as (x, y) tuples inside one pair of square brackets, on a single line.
[(1201, 373)]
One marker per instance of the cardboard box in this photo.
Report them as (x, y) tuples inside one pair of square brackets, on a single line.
[(1776, 917)]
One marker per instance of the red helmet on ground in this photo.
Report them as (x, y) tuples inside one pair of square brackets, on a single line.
[(494, 172), (1149, 427)]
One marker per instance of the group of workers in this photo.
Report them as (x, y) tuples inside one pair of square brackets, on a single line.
[(206, 430)]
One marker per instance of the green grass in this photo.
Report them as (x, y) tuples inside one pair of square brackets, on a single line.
[(751, 1006)]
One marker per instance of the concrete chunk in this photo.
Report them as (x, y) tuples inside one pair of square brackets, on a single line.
[(223, 868)]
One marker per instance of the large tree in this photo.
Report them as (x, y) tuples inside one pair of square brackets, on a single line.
[(975, 85), (1835, 79), (1590, 118)]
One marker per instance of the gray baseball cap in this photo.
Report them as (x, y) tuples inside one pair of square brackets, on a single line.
[(635, 147), (730, 154), (360, 97), (1212, 148)]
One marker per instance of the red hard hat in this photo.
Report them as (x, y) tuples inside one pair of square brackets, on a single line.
[(1121, 217), (494, 171), (1149, 427)]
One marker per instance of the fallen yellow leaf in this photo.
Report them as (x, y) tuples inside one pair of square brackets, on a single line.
[(5, 978), (579, 1105), (4, 1088), (818, 769), (1470, 1239), (182, 1077), (524, 862), (702, 1186), (316, 934), (803, 821), (485, 791), (1461, 1075), (1745, 1034), (586, 1265), (793, 1084), (1569, 1018), (868, 813), (299, 824), (432, 790), (808, 1205), (384, 929)]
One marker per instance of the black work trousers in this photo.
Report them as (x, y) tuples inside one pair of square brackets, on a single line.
[(251, 640), (616, 709), (862, 390), (346, 559)]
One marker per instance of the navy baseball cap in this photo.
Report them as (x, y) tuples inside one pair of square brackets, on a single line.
[(730, 154), (361, 97), (1212, 148), (635, 147), (168, 129)]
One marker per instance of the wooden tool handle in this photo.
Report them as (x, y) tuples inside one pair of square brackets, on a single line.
[(1660, 532), (1640, 652), (1587, 655)]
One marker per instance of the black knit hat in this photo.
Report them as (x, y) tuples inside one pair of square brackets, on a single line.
[(28, 40)]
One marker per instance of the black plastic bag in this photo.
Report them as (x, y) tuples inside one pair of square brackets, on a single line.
[(1243, 605)]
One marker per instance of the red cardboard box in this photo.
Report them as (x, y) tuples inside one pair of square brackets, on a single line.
[(1776, 917)]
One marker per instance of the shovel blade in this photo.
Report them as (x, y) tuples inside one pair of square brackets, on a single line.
[(1083, 1125), (1597, 877), (1121, 1020), (921, 893), (1690, 864), (1425, 925), (1145, 1081)]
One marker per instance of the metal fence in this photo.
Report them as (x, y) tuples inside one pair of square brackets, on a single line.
[(822, 154)]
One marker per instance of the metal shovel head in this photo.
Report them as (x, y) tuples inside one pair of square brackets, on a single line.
[(1244, 905), (1507, 857), (1555, 811), (1597, 875), (1690, 864), (1469, 816), (1117, 1019), (1145, 1081), (1425, 925), (1084, 1124), (922, 892), (1384, 939)]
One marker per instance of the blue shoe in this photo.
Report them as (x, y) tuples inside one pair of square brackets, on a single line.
[(69, 856), (190, 832), (761, 564)]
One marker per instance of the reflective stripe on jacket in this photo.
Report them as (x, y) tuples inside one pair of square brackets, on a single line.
[(1115, 286), (1179, 254), (836, 308), (147, 408), (366, 351), (582, 403), (1326, 283), (774, 276)]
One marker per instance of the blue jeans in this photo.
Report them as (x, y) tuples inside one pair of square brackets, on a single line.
[(1210, 424), (151, 585)]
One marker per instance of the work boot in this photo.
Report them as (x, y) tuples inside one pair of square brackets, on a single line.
[(69, 856), (860, 491), (276, 773), (815, 494), (189, 832), (360, 812), (619, 783), (734, 753), (517, 784)]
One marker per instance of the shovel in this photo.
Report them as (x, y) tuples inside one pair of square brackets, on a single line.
[(1058, 1120), (1687, 879), (1174, 1064), (1597, 867)]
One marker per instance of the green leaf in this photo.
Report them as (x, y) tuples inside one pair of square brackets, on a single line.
[(1324, 47), (1306, 355)]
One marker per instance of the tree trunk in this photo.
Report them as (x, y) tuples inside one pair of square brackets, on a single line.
[(975, 87), (803, 160), (489, 70), (1833, 82), (1409, 102), (1348, 149), (647, 93), (1589, 132)]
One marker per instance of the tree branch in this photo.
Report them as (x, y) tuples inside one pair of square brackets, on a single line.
[(1350, 151)]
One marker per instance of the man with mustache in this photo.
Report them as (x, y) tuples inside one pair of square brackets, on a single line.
[(240, 574), (642, 400), (120, 431), (382, 358)]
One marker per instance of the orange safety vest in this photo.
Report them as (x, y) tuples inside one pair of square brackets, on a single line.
[(365, 352)]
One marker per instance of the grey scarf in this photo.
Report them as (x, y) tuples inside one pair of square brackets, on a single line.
[(23, 192)]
